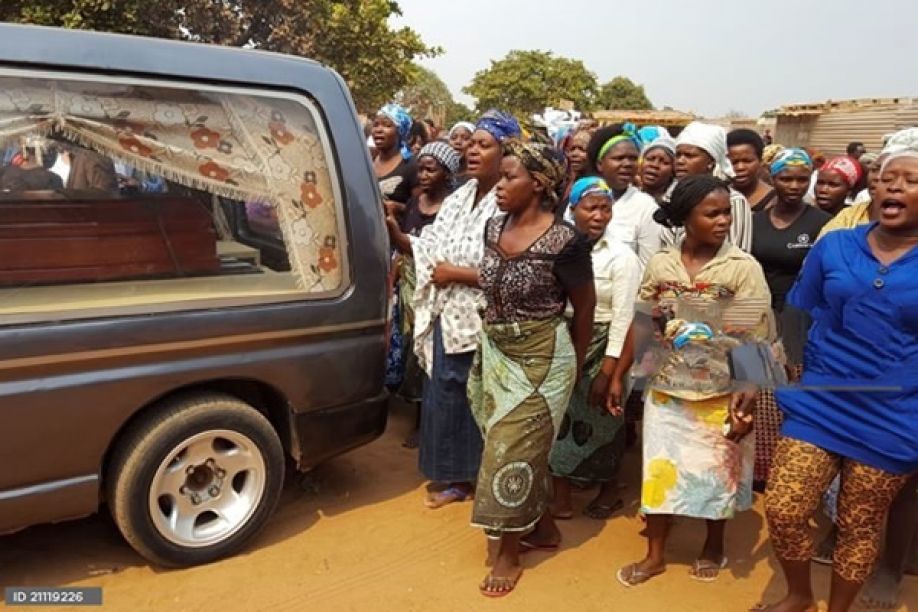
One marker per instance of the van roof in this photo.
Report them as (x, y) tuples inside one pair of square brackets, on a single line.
[(28, 45)]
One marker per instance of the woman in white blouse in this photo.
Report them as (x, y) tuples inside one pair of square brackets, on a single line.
[(447, 323), (613, 152), (591, 440)]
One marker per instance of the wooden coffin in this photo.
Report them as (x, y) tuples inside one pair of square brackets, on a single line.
[(50, 241)]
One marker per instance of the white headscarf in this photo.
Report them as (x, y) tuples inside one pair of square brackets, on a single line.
[(903, 143), (710, 138), (462, 124)]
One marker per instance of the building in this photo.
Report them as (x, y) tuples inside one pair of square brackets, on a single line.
[(672, 120), (829, 126)]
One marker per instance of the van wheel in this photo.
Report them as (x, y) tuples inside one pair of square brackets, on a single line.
[(193, 480)]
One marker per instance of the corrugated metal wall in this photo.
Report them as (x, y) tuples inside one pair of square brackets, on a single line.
[(831, 132)]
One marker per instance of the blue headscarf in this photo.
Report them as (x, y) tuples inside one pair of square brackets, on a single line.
[(402, 121), (500, 125), (649, 133), (789, 158), (587, 186), (629, 133)]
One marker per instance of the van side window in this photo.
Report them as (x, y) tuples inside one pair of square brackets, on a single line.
[(125, 197)]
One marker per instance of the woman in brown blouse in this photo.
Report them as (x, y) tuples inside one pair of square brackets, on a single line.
[(528, 360)]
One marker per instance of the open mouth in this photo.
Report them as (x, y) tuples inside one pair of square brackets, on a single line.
[(891, 207)]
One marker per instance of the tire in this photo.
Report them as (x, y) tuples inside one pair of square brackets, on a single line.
[(194, 479)]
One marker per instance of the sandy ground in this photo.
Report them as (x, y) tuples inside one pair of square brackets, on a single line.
[(354, 535)]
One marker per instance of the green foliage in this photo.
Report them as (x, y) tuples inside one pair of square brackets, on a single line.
[(525, 82), (352, 36), (621, 93), (459, 112), (426, 96)]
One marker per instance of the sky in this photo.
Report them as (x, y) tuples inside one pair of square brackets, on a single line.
[(701, 56)]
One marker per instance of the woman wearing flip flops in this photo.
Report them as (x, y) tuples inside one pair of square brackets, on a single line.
[(698, 456), (529, 357)]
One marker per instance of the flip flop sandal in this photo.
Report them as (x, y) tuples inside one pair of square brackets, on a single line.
[(511, 582), (447, 496), (635, 576), (763, 607), (704, 564)]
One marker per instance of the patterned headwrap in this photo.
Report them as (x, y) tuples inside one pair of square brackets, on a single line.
[(545, 163), (650, 133), (629, 133), (713, 140), (464, 125), (663, 142), (790, 158), (771, 152), (845, 166), (903, 143), (444, 154), (402, 121), (587, 186), (500, 125)]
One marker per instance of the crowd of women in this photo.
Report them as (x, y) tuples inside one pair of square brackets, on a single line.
[(520, 266)]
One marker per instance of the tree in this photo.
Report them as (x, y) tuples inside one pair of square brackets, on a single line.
[(525, 82), (458, 112), (426, 96), (621, 93), (352, 36)]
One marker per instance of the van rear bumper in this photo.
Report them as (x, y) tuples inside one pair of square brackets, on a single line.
[(320, 434)]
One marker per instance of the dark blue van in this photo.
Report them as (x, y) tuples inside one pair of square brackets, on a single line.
[(192, 284)]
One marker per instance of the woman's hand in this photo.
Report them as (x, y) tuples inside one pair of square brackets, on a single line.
[(740, 419), (614, 396), (393, 208), (599, 390)]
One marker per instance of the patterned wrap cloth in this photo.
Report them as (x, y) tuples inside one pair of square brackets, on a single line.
[(790, 158), (589, 186), (500, 125), (445, 155), (591, 441), (545, 164), (518, 401), (849, 169)]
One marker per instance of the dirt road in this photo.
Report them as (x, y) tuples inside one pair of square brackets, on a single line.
[(357, 537)]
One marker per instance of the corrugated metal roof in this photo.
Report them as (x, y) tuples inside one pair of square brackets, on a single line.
[(666, 118), (830, 132)]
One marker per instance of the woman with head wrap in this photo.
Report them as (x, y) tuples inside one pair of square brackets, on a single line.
[(693, 467), (836, 181), (854, 413), (701, 149), (591, 443), (745, 149), (658, 167), (446, 320), (613, 153), (437, 165), (460, 137), (529, 358), (395, 169), (782, 237)]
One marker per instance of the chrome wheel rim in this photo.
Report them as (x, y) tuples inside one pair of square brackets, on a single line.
[(207, 488)]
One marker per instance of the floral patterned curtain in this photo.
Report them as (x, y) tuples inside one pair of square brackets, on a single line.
[(233, 145)]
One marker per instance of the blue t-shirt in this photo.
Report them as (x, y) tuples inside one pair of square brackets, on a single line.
[(859, 393)]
